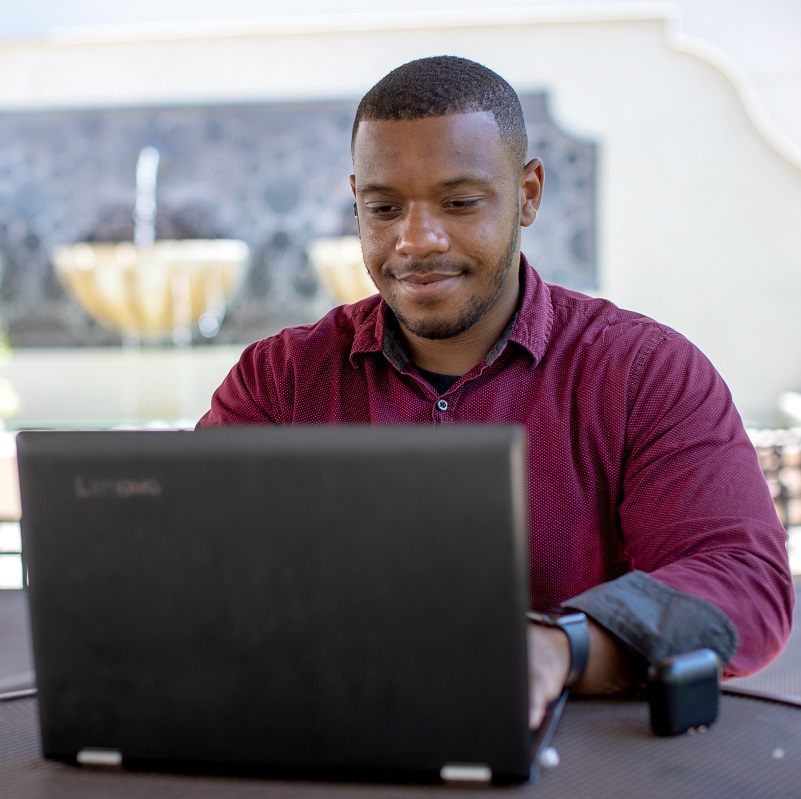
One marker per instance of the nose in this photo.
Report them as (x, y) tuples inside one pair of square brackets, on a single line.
[(421, 233)]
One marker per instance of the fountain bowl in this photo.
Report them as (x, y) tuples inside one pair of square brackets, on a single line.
[(150, 291), (338, 262)]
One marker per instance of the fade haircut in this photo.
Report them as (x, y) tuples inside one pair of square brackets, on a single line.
[(441, 85)]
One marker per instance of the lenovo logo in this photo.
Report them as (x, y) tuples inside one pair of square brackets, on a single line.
[(116, 487)]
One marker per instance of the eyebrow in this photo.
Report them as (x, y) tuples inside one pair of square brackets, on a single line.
[(451, 183)]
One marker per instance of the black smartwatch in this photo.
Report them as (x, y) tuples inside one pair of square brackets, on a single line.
[(574, 624)]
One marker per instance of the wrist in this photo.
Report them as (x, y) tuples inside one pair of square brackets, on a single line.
[(575, 626)]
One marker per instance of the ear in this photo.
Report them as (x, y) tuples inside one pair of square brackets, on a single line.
[(355, 208), (531, 179)]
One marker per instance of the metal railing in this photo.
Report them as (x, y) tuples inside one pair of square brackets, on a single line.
[(779, 454)]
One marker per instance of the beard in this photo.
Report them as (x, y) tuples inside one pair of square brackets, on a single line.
[(477, 306)]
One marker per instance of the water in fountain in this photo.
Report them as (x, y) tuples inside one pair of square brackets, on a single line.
[(147, 167), (145, 209)]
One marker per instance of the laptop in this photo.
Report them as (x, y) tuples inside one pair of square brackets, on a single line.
[(313, 601)]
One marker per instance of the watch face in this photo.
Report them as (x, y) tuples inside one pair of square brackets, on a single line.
[(552, 610), (571, 617), (557, 617)]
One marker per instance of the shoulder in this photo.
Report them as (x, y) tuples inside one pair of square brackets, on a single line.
[(311, 343), (600, 312), (263, 385), (599, 323), (627, 348)]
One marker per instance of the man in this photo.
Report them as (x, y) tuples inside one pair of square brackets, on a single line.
[(650, 512)]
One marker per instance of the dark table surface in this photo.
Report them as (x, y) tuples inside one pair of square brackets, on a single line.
[(605, 746)]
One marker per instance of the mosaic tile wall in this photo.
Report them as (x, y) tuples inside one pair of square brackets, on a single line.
[(272, 175)]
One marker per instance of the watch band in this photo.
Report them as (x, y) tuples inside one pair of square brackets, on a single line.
[(574, 625)]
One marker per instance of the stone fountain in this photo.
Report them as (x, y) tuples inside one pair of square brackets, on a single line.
[(338, 262), (149, 290)]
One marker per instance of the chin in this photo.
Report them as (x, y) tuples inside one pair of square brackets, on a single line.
[(437, 329)]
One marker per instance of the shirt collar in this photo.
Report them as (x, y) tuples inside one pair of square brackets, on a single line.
[(530, 327), (534, 321)]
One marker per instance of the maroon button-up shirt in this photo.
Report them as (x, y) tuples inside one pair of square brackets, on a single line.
[(645, 490)]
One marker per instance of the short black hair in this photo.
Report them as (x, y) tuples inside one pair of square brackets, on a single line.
[(441, 85)]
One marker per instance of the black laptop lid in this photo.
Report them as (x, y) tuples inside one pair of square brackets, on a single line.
[(311, 598)]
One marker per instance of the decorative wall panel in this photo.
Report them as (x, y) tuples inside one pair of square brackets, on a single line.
[(275, 176)]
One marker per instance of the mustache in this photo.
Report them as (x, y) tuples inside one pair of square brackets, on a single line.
[(439, 266)]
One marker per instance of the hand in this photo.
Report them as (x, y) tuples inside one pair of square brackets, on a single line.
[(548, 667)]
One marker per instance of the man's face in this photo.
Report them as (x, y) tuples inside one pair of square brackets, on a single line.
[(440, 205)]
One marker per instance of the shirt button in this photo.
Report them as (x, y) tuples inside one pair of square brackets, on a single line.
[(442, 405)]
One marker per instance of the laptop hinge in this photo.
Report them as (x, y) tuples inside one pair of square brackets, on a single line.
[(466, 772), (100, 757)]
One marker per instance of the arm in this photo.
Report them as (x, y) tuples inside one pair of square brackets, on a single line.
[(698, 522), (700, 529)]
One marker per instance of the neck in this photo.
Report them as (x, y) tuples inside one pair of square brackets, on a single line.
[(447, 356)]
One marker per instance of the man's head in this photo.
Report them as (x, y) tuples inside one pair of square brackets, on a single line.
[(443, 85), (442, 190)]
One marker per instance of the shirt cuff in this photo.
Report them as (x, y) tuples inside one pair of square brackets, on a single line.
[(656, 620)]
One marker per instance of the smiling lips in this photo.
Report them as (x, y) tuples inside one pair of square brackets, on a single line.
[(428, 285), (434, 277)]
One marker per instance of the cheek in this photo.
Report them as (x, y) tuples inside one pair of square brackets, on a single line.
[(371, 262), (374, 248), (481, 242)]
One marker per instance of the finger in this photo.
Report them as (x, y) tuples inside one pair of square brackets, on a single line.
[(536, 710)]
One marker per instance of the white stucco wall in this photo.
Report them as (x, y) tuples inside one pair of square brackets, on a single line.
[(696, 206)]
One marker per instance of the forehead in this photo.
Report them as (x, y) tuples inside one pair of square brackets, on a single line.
[(455, 142)]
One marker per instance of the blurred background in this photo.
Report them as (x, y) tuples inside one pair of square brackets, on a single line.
[(670, 132), (174, 185)]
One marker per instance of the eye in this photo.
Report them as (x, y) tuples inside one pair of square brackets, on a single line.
[(382, 209), (463, 204)]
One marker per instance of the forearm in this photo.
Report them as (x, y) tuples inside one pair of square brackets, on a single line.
[(632, 621), (652, 620), (610, 667)]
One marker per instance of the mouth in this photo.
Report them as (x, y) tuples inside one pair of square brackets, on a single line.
[(416, 278), (428, 286)]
